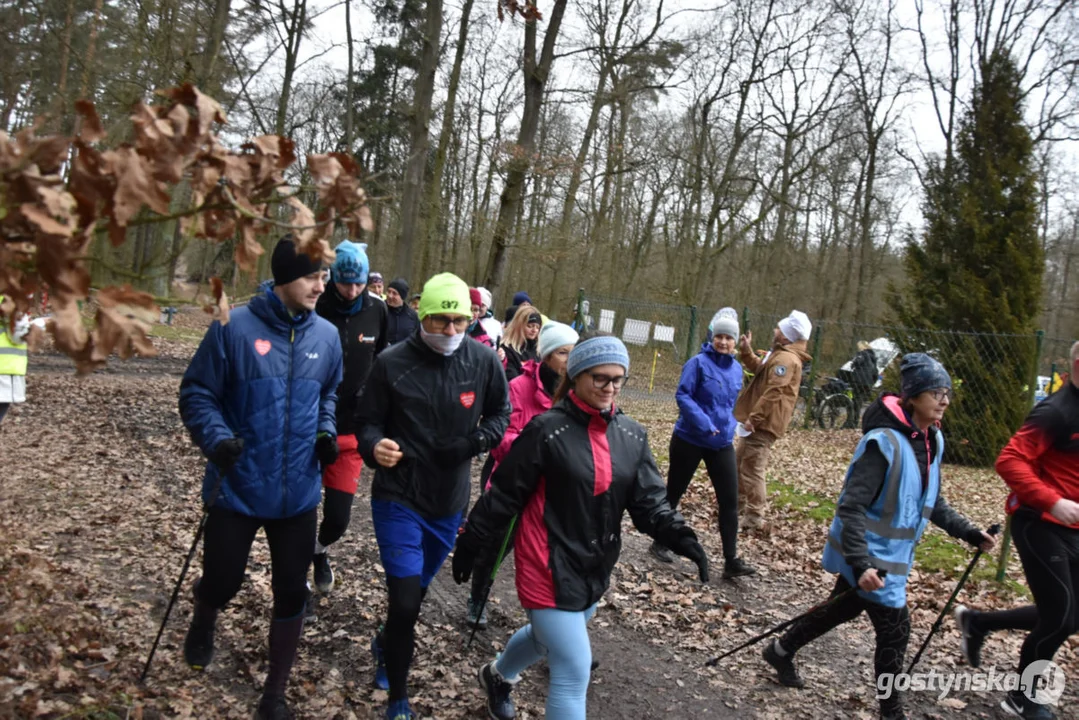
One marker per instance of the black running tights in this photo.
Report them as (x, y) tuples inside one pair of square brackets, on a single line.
[(398, 638), (228, 538), (722, 471), (1050, 555)]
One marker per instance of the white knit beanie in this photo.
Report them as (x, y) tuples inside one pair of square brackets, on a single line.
[(796, 326), (553, 336), (485, 296)]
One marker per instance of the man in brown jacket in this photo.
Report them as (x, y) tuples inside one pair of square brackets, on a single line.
[(765, 407)]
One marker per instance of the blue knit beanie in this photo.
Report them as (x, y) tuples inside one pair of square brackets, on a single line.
[(596, 351), (351, 264), (918, 372), (521, 297)]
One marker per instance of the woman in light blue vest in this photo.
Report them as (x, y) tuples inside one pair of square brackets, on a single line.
[(892, 491)]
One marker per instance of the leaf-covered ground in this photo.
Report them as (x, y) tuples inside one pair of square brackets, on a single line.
[(99, 501)]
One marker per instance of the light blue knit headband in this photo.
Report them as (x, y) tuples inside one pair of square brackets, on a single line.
[(594, 352)]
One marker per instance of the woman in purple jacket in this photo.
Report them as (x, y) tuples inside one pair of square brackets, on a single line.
[(711, 381)]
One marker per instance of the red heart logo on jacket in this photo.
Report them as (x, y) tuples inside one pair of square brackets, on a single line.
[(262, 346), (468, 399)]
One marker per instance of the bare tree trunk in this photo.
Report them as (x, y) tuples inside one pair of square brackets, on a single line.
[(294, 21), (535, 80), (59, 106), (412, 192), (434, 191), (207, 76), (349, 82), (91, 47)]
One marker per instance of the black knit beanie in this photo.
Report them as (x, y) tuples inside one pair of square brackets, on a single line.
[(401, 287), (287, 265)]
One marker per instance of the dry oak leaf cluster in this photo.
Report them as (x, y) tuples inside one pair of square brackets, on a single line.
[(57, 192)]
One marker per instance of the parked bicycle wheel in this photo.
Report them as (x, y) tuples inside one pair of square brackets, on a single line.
[(798, 418), (836, 412)]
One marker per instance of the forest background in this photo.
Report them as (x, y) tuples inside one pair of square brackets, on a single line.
[(758, 152)]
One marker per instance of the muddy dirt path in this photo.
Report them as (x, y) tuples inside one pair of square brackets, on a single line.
[(97, 507)]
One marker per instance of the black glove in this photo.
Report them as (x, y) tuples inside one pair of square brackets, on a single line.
[(326, 449), (454, 451), (227, 453), (687, 546), (464, 558), (975, 537)]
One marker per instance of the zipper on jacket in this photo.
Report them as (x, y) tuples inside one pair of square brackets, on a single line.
[(284, 449), (928, 463)]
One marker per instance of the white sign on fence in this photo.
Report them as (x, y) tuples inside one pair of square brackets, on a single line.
[(635, 332), (664, 333), (606, 321)]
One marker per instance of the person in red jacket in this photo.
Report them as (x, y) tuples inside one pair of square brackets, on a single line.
[(571, 475), (530, 395), (1041, 466)]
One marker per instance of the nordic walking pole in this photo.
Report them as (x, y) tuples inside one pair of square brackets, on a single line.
[(947, 606), (491, 580), (787, 623), (183, 572)]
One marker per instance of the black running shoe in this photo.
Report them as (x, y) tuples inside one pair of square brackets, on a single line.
[(273, 707), (499, 703), (1017, 704), (476, 617), (737, 568), (323, 573), (784, 666), (660, 552), (971, 644), (199, 643)]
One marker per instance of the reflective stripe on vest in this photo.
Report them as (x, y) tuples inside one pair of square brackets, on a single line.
[(893, 568)]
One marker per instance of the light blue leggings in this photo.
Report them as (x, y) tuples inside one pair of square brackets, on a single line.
[(561, 637)]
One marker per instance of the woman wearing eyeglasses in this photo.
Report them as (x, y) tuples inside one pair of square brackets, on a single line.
[(891, 493), (531, 394), (520, 340), (707, 391), (570, 476)]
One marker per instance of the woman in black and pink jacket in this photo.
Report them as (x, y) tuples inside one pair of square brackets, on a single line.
[(570, 476)]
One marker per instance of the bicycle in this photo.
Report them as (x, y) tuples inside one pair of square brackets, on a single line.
[(831, 405)]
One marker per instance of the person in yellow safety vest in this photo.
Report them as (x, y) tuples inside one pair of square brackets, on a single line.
[(13, 360)]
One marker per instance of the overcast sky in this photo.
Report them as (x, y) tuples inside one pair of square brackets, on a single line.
[(326, 47)]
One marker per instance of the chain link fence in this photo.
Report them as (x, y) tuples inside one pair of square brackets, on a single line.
[(997, 378), (660, 338)]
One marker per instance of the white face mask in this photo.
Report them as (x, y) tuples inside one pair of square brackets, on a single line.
[(442, 344)]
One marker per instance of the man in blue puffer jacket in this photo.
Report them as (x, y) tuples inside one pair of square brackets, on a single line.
[(711, 381), (259, 399)]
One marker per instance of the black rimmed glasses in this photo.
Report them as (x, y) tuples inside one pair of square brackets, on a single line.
[(439, 323), (941, 393), (600, 382)]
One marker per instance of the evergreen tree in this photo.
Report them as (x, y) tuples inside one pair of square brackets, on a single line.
[(979, 267)]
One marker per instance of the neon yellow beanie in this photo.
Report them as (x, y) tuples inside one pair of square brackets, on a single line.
[(445, 294)]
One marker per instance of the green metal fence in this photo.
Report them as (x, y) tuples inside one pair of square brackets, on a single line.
[(660, 338), (997, 377)]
